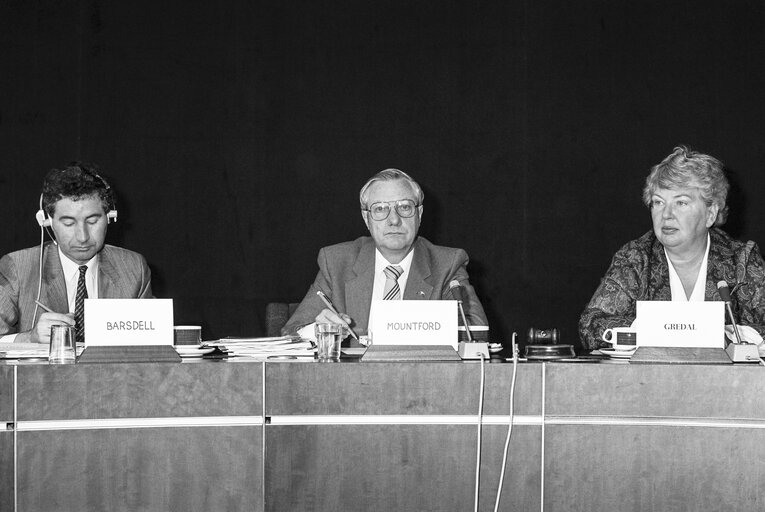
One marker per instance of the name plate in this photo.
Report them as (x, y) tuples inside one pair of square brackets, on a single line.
[(414, 322), (120, 322), (680, 324)]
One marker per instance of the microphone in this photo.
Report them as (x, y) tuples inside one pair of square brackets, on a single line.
[(722, 288), (456, 289)]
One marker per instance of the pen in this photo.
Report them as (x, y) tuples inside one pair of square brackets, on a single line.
[(46, 308), (326, 301)]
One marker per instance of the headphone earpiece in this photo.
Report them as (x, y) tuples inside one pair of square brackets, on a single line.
[(45, 222), (42, 219)]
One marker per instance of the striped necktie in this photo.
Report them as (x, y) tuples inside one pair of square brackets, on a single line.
[(79, 306), (392, 290)]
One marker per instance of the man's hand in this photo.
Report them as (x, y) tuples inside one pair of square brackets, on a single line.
[(328, 316), (41, 332)]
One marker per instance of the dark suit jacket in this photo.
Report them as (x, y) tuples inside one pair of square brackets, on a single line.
[(639, 271), (122, 274), (346, 275)]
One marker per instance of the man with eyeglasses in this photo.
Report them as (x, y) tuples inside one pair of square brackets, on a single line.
[(394, 263)]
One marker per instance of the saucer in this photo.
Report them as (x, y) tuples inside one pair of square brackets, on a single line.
[(495, 347), (193, 350), (618, 354)]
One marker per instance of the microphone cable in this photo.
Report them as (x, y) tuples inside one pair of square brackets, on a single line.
[(480, 424), (43, 229), (510, 425), (39, 276)]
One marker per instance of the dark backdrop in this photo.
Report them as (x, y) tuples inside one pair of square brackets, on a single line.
[(237, 134)]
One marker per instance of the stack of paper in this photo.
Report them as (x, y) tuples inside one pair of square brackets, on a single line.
[(24, 350), (28, 350), (263, 348)]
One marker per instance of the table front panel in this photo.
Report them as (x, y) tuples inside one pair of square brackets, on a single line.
[(693, 391), (189, 469), (398, 467), (399, 388), (6, 469), (6, 394), (663, 468), (139, 390)]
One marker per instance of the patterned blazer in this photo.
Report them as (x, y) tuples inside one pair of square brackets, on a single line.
[(639, 271), (346, 275), (122, 274)]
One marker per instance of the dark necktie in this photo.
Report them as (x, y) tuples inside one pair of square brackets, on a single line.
[(79, 306), (392, 291)]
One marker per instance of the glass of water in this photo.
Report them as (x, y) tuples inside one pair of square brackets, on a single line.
[(61, 345), (328, 338)]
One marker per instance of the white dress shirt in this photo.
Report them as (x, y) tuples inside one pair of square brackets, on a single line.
[(676, 285), (72, 275), (378, 288)]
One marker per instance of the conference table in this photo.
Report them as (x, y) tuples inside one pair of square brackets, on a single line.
[(301, 435)]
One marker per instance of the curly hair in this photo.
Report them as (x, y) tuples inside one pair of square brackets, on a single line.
[(75, 181), (687, 168)]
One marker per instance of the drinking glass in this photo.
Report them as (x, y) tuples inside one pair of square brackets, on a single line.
[(62, 349)]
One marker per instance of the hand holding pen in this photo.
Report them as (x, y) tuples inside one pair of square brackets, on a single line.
[(40, 333), (343, 318)]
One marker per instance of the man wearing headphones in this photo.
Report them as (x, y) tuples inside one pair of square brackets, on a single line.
[(46, 285)]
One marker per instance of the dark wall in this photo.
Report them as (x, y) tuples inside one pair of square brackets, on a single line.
[(238, 134)]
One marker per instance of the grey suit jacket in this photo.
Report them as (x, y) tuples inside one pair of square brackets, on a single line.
[(346, 275), (121, 274)]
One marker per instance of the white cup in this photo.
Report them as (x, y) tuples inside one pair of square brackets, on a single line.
[(621, 338), (187, 334)]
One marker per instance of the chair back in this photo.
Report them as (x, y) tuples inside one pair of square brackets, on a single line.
[(277, 314)]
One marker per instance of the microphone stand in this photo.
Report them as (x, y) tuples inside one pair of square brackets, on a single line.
[(470, 349), (739, 351), (464, 321), (733, 321)]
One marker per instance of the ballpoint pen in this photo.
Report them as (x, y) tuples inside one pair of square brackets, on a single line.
[(329, 305), (46, 308)]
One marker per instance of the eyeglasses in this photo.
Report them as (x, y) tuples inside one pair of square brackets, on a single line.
[(405, 208)]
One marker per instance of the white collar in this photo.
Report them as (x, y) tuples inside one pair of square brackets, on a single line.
[(381, 262), (699, 289), (72, 269)]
